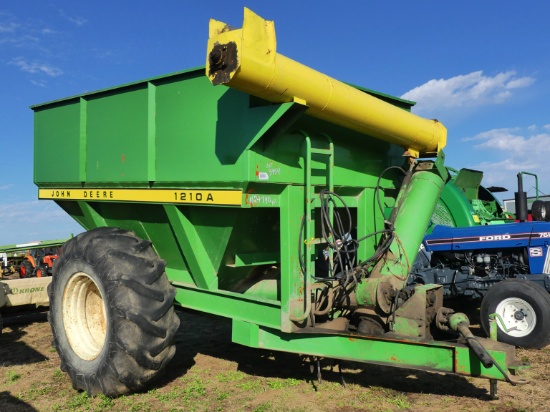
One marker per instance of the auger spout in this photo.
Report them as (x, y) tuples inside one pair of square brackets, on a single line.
[(246, 59)]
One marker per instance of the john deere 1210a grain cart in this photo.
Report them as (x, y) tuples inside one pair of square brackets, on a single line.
[(277, 202)]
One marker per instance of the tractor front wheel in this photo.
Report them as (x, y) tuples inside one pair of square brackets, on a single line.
[(111, 312), (523, 313)]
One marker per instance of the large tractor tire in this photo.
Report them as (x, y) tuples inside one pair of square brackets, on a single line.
[(540, 211), (26, 270), (111, 312), (524, 311)]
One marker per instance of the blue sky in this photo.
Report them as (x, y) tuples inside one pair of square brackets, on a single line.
[(480, 67)]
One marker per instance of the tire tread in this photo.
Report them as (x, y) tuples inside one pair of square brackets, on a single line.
[(140, 301)]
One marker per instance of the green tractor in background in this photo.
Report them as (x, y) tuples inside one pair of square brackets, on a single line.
[(465, 202)]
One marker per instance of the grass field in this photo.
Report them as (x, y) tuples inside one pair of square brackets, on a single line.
[(210, 373)]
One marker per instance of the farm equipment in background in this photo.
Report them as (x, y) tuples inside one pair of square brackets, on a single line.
[(26, 273), (33, 259), (39, 262), (219, 199), (492, 256), (465, 202)]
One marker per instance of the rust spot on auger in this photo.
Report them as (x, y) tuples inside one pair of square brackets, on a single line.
[(223, 61)]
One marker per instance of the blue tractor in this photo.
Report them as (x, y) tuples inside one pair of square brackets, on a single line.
[(506, 265)]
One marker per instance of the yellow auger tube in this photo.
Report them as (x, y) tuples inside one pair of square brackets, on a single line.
[(246, 59)]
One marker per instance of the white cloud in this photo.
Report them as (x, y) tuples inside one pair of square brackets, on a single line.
[(517, 150), (32, 211), (473, 89), (23, 39), (34, 220), (8, 27), (39, 83), (519, 83), (15, 33), (36, 67), (76, 20)]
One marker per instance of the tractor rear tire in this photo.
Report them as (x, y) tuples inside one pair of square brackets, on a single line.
[(540, 211), (523, 307), (111, 312), (547, 208), (26, 270)]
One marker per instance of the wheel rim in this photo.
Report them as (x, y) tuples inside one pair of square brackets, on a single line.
[(518, 316), (84, 316)]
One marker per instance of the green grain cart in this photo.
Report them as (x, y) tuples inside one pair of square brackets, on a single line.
[(289, 202)]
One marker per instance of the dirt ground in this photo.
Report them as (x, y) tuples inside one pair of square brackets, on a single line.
[(210, 373)]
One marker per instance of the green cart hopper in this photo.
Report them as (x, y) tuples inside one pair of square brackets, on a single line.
[(289, 202)]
